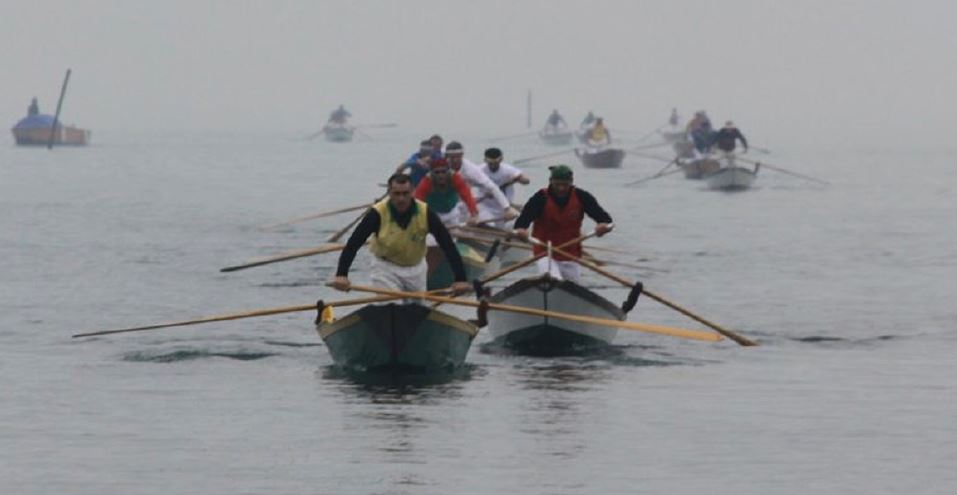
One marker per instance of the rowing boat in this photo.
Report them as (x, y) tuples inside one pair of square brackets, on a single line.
[(601, 157), (539, 335), (555, 136), (699, 168), (732, 178), (339, 133), (440, 273), (407, 338)]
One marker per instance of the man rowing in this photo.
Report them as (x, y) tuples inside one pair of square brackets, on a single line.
[(558, 211), (418, 164), (400, 224), (504, 175), (447, 194), (475, 178)]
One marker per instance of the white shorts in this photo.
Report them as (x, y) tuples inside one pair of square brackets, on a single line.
[(388, 275), (562, 270)]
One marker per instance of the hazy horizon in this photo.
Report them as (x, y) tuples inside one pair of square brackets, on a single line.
[(850, 72)]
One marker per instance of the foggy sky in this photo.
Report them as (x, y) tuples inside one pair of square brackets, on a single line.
[(858, 73)]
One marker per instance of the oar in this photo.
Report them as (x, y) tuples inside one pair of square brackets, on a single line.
[(244, 314), (315, 216), (744, 341), (341, 232), (514, 136), (289, 255), (56, 116), (657, 175), (762, 150), (627, 325), (314, 135), (547, 155), (782, 170), (359, 132)]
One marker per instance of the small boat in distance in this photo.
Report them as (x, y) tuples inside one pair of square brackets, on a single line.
[(338, 132), (699, 168), (556, 136), (36, 129), (731, 177), (593, 157)]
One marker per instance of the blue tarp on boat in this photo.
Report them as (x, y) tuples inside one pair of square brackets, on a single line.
[(39, 121)]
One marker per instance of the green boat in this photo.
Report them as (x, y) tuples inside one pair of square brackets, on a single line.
[(397, 338), (440, 272)]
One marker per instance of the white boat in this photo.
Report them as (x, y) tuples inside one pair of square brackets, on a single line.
[(541, 335), (732, 178), (338, 133)]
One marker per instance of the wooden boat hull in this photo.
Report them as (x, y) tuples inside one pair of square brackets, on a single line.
[(731, 178), (339, 134), (539, 335), (700, 168), (440, 273), (556, 138), (65, 136), (398, 338), (606, 158)]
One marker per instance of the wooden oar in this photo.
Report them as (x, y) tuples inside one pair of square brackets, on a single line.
[(56, 116), (744, 341), (546, 155), (244, 314), (289, 255), (627, 325), (782, 170), (646, 179), (316, 215), (341, 232)]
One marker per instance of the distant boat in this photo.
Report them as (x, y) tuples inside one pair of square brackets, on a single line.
[(601, 157), (36, 127), (556, 135), (338, 133), (731, 177), (699, 168)]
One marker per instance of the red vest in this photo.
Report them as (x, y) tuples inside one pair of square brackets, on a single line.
[(560, 224)]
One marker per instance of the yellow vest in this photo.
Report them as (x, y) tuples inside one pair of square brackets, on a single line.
[(598, 133), (404, 247)]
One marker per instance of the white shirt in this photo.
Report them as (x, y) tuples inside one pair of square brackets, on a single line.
[(505, 173), (483, 185)]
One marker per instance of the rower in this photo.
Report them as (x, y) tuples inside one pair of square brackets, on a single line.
[(673, 119), (504, 175), (34, 107), (476, 179), (418, 163), (447, 194), (588, 120), (557, 212), (726, 138), (598, 135), (400, 224), (339, 115), (556, 121), (701, 132)]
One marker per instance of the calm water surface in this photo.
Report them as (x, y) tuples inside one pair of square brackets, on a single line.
[(848, 287)]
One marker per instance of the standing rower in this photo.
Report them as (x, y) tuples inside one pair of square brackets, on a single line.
[(558, 211), (447, 194), (400, 224), (418, 163)]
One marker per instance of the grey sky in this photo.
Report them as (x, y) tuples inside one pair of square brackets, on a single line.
[(855, 72)]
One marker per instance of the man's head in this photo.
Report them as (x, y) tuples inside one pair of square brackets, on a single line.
[(425, 149), (729, 125), (454, 152), (400, 192), (493, 157), (560, 180), (436, 141), (440, 172)]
